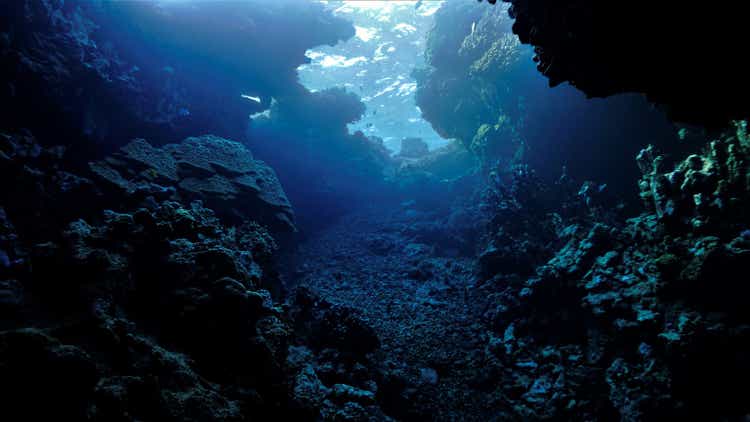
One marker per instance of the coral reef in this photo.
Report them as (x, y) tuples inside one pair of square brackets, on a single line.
[(156, 310), (144, 278), (455, 58), (702, 190), (638, 320), (524, 216)]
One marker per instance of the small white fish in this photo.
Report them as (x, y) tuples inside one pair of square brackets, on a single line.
[(251, 98)]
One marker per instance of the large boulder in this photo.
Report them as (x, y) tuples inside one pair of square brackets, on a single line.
[(220, 172)]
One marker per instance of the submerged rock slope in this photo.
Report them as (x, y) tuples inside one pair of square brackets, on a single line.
[(161, 311), (571, 312)]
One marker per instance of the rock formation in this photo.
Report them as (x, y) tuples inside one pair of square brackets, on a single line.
[(159, 310), (220, 172), (92, 68), (609, 48), (640, 320)]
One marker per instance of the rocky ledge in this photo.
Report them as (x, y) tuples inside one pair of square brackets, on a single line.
[(220, 172)]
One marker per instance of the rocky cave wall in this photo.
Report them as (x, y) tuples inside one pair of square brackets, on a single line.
[(103, 73), (480, 88), (684, 57), (138, 273)]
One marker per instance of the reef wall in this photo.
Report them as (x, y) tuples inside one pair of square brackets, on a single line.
[(480, 87)]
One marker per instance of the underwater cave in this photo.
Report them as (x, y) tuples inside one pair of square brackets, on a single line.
[(373, 210)]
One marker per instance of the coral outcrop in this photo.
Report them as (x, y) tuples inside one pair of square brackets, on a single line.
[(220, 172)]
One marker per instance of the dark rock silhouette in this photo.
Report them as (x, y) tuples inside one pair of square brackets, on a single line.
[(605, 48)]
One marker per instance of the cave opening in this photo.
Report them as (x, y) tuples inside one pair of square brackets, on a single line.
[(371, 211)]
